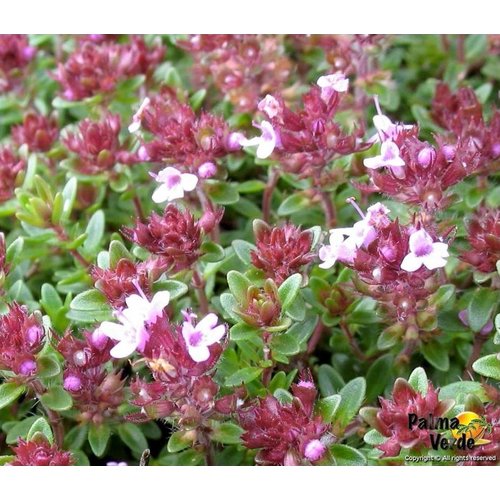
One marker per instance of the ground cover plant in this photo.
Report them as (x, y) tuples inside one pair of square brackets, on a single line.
[(249, 249)]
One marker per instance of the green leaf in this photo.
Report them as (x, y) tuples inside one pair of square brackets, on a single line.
[(238, 284), (418, 380), (90, 300), (461, 389), (242, 331), (9, 392), (294, 203), (481, 307), (48, 366), (118, 251), (242, 376), (76, 437), (352, 395), (5, 459), (289, 289), (179, 440), (50, 300), (242, 249), (175, 288), (378, 376), (222, 193), (251, 186), (346, 455), (329, 380), (488, 366), (41, 426), (95, 233), (328, 406), (20, 429), (283, 396), (475, 47), (196, 100), (227, 433), (285, 344), (56, 398), (443, 295), (133, 437), (98, 438), (374, 438), (437, 355), (212, 252)]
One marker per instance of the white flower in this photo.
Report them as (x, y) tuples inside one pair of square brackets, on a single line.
[(131, 331), (270, 106), (136, 119), (338, 248), (173, 184), (423, 251), (265, 143), (388, 157), (336, 82), (199, 337)]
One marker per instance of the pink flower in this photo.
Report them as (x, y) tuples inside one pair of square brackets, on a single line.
[(270, 106), (137, 118), (173, 184), (265, 143), (207, 170), (424, 251), (336, 82), (338, 249), (385, 128), (131, 333), (199, 337), (314, 450), (389, 157)]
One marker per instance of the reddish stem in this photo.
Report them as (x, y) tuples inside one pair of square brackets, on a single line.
[(479, 341), (315, 337), (267, 198), (199, 284)]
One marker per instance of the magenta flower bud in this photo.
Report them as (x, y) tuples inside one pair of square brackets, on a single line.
[(314, 450), (234, 141), (142, 154), (426, 157), (449, 152), (495, 150), (98, 339), (27, 367), (318, 127), (207, 170), (34, 334), (72, 383), (80, 358)]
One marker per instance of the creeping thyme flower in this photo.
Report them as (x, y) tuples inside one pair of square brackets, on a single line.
[(389, 157), (286, 433), (391, 420), (40, 453), (281, 251), (15, 55), (174, 237), (266, 142), (137, 118), (173, 184), (97, 145), (21, 338), (202, 335), (337, 249), (483, 232), (131, 331), (37, 131), (10, 166), (424, 251), (270, 106), (336, 82)]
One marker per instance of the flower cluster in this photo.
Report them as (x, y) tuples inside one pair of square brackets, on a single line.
[(21, 338), (10, 166), (97, 145), (15, 55), (281, 251), (242, 67), (286, 434), (37, 131), (40, 453)]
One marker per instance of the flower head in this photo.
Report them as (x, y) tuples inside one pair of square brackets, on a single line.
[(37, 131), (40, 453), (424, 251), (336, 82), (281, 251), (10, 166), (131, 331), (267, 141), (173, 185), (200, 336)]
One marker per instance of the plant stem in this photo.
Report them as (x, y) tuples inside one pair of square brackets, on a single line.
[(330, 216), (138, 208), (54, 419), (268, 194), (479, 341), (199, 284), (461, 48), (315, 337), (63, 237)]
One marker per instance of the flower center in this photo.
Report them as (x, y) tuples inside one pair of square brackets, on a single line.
[(195, 338), (173, 180), (423, 249)]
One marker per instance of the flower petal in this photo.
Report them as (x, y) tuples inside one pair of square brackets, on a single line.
[(161, 194), (433, 261), (123, 349), (114, 331), (199, 353), (207, 323), (214, 335), (411, 263), (188, 181), (374, 162)]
